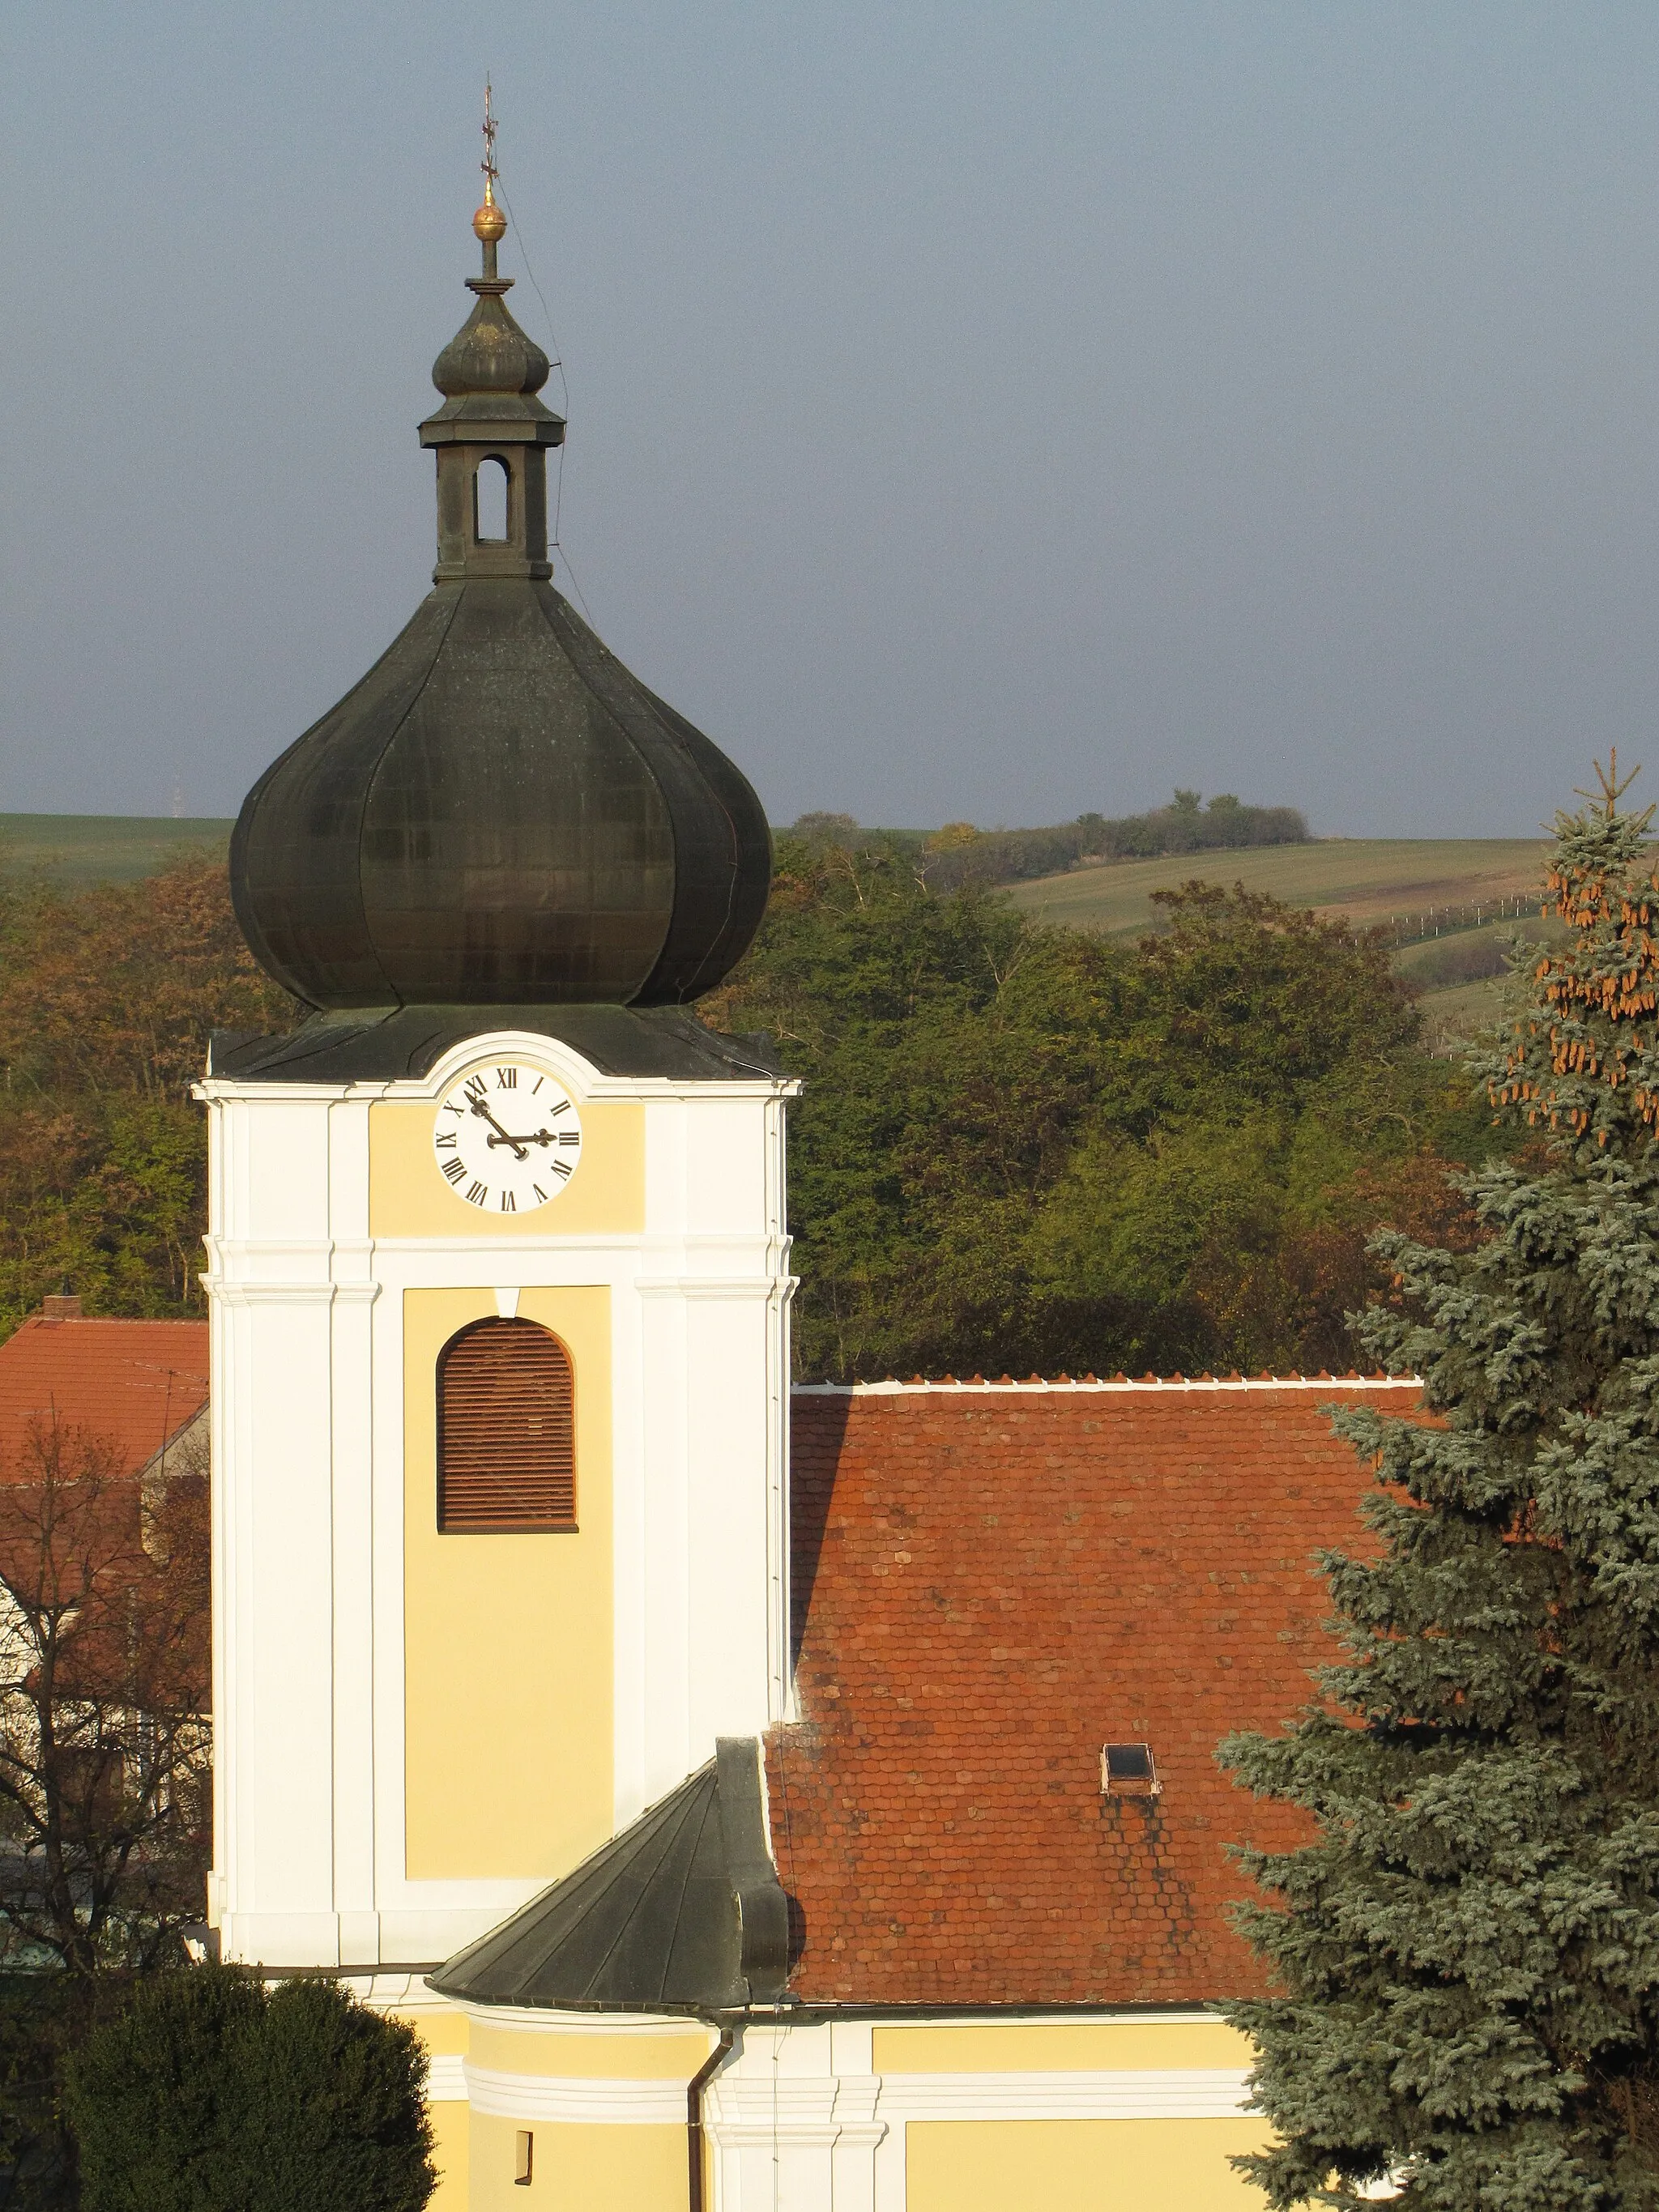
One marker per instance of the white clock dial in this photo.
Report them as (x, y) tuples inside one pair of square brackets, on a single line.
[(506, 1138)]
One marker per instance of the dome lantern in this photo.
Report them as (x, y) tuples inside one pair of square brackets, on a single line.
[(499, 813)]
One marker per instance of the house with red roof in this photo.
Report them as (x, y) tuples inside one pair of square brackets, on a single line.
[(138, 1387)]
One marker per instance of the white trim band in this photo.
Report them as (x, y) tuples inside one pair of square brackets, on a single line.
[(445, 2080), (1175, 2093), (589, 2099), (826, 2109)]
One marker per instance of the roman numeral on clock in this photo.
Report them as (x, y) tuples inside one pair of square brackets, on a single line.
[(509, 1204), (507, 1079), (455, 1171), (478, 1193)]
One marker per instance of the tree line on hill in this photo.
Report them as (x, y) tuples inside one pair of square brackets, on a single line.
[(959, 854)]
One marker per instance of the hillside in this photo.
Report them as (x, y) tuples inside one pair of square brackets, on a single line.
[(1429, 888), (102, 848), (1371, 879)]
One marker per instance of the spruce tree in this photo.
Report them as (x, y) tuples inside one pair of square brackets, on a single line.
[(1469, 1947)]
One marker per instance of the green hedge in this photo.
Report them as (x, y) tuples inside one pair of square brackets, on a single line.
[(212, 2093)]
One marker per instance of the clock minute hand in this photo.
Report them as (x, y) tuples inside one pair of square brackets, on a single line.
[(501, 1136)]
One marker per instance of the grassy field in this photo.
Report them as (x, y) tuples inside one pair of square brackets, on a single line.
[(101, 848), (1371, 879)]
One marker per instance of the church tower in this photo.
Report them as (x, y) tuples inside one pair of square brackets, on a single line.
[(497, 1264)]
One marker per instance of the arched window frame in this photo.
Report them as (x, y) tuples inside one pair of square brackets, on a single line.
[(508, 491), (531, 1491)]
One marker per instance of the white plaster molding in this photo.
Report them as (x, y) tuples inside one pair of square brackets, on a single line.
[(445, 2080), (797, 2112), (533, 2020), (240, 1292), (1174, 2093), (604, 2100), (580, 1075), (507, 1301)]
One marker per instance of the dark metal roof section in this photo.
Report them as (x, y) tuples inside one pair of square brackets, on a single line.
[(681, 1912), (398, 1043), (499, 812)]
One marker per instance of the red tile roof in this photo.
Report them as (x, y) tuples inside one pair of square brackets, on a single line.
[(992, 1583), (135, 1383)]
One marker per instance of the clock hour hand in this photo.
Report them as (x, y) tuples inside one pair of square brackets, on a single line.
[(535, 1137), (501, 1136)]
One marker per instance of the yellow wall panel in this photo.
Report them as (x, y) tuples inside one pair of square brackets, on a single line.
[(1086, 2166), (1051, 2046), (451, 2154), (580, 2169), (593, 2057), (507, 1639), (408, 1197)]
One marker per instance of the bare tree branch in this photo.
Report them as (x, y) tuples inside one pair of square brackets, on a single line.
[(104, 1701)]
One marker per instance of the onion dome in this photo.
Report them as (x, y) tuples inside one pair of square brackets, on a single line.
[(499, 813)]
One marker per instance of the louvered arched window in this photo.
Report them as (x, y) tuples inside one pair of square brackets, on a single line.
[(506, 1430)]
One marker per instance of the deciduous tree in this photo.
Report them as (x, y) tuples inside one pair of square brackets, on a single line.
[(104, 1704)]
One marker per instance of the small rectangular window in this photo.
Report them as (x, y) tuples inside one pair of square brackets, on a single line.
[(524, 2157), (1128, 1769)]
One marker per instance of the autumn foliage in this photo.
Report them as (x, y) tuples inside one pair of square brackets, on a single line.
[(1023, 1148), (108, 998)]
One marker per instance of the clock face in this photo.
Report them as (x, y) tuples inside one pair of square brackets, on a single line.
[(506, 1138)]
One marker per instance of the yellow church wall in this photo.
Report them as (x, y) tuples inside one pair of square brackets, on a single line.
[(451, 2153), (507, 1639), (1094, 2165), (1053, 2046), (595, 2057), (443, 2029), (579, 2168), (408, 1197)]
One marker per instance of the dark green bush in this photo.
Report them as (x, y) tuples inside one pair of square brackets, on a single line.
[(44, 2015), (212, 2095)]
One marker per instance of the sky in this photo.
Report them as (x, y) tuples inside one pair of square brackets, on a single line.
[(977, 411)]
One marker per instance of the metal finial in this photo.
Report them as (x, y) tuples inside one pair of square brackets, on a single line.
[(490, 224), (488, 164)]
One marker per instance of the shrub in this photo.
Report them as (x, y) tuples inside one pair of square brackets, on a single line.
[(211, 2094)]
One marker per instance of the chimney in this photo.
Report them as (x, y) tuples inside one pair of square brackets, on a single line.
[(64, 1307)]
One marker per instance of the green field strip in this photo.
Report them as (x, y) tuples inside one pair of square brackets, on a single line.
[(103, 849), (1372, 878)]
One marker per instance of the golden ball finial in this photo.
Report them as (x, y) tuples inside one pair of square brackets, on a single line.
[(490, 224)]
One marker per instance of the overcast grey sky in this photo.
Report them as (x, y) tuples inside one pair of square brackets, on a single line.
[(984, 410)]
